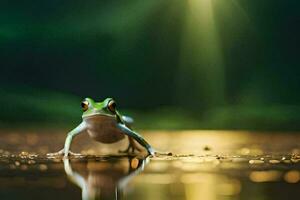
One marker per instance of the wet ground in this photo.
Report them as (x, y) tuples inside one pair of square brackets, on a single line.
[(206, 165)]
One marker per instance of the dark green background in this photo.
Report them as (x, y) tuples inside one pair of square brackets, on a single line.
[(170, 64)]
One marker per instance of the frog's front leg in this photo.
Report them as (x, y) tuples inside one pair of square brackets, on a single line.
[(65, 151), (137, 137), (79, 129)]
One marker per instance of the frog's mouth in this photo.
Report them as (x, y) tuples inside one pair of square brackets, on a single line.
[(97, 115)]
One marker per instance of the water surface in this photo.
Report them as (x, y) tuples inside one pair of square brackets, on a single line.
[(204, 165)]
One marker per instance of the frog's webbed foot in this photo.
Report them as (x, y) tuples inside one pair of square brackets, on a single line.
[(61, 153)]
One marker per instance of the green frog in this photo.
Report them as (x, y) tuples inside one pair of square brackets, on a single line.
[(104, 123)]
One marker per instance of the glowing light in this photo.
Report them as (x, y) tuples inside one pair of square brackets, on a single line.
[(201, 54), (292, 176), (265, 176)]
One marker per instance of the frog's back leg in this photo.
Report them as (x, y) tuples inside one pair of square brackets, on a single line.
[(137, 137)]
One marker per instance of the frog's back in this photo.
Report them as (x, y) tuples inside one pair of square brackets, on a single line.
[(103, 129)]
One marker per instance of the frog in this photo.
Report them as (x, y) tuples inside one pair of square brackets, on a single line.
[(104, 123)]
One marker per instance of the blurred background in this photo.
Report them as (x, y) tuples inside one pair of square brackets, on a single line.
[(172, 64)]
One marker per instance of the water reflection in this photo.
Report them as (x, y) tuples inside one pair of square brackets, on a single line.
[(102, 179)]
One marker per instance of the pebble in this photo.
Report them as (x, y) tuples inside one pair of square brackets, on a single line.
[(31, 162), (256, 161), (134, 163), (24, 154), (274, 161), (43, 167), (23, 167), (294, 160), (206, 148)]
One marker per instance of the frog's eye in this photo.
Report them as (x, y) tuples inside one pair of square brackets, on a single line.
[(84, 105), (112, 106)]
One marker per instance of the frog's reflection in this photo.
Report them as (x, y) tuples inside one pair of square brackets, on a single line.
[(104, 179)]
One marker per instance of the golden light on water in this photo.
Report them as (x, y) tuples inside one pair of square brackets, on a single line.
[(292, 176), (160, 179), (184, 143), (265, 176), (230, 188), (203, 165)]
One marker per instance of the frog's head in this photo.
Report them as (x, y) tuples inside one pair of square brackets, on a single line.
[(91, 108)]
